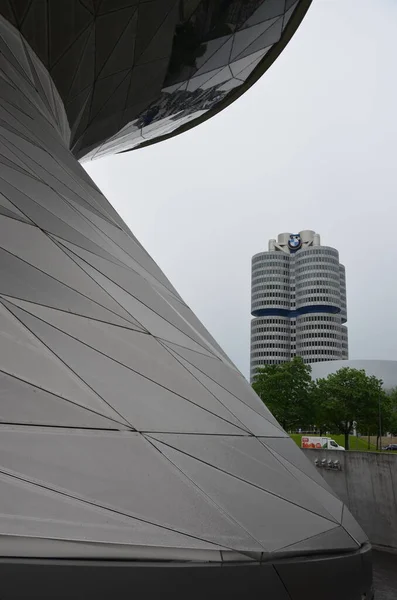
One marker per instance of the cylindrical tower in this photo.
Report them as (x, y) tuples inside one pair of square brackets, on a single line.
[(345, 343), (298, 302), (270, 283), (271, 305), (343, 299), (318, 280), (318, 303)]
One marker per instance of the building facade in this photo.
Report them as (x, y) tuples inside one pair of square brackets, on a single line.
[(386, 370), (134, 457), (298, 301)]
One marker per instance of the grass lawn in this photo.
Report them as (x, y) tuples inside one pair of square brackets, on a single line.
[(359, 444)]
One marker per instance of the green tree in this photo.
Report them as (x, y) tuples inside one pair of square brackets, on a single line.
[(386, 417), (392, 421), (286, 389), (376, 417), (349, 396), (319, 398)]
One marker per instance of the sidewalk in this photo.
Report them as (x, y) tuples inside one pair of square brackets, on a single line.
[(385, 575)]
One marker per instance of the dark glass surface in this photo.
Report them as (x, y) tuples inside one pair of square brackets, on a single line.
[(131, 72)]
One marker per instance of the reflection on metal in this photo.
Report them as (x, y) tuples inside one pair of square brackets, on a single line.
[(132, 72), (133, 454)]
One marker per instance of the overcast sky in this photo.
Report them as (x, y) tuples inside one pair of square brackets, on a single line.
[(312, 145)]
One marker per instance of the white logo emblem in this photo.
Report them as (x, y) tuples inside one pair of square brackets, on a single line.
[(294, 242)]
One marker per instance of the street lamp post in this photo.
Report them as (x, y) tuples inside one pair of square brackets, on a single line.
[(380, 425)]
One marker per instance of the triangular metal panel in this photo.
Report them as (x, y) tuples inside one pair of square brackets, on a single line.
[(333, 505), (191, 318), (270, 37), (251, 420), (14, 156), (35, 26), (23, 403), (122, 55), (122, 472), (269, 10), (137, 351), (288, 523), (105, 6), (289, 12), (108, 30), (84, 68), (160, 45), (239, 65), (122, 274), (198, 81), (23, 356), (15, 43), (66, 23), (20, 280), (218, 59), (330, 541), (35, 248), (288, 449), (151, 16), (245, 73), (245, 37), (147, 317), (350, 524), (11, 208), (227, 378), (43, 196), (221, 77), (247, 459), (11, 214), (38, 513), (64, 71), (144, 403), (106, 91)]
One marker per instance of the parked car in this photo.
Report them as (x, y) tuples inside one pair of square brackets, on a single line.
[(390, 447)]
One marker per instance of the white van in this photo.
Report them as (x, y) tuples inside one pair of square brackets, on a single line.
[(324, 443)]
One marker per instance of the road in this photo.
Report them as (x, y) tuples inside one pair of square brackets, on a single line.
[(385, 575)]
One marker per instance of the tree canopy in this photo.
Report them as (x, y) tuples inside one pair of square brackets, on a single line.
[(332, 404), (389, 412), (349, 396), (286, 391)]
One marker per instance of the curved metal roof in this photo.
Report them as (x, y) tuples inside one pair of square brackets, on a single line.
[(134, 72)]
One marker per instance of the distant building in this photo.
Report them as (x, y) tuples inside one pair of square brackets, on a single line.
[(386, 370), (298, 301)]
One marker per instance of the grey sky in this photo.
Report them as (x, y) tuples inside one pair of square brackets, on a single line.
[(311, 146)]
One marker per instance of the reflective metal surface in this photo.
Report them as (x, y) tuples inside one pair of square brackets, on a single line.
[(130, 72), (133, 454)]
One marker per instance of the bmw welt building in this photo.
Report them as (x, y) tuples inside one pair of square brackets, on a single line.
[(135, 459)]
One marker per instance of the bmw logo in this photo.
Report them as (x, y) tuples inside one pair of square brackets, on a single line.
[(294, 242)]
